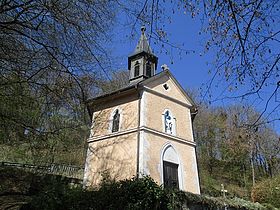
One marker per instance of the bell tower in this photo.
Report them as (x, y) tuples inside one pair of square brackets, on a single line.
[(142, 63)]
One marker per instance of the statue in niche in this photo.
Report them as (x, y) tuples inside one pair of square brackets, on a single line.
[(168, 121)]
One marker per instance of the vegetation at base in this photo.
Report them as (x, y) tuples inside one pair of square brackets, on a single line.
[(141, 193), (127, 194), (37, 191), (267, 191)]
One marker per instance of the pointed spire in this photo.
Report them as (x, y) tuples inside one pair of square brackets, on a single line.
[(142, 64), (143, 44)]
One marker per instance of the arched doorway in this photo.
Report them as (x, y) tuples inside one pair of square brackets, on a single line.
[(171, 168)]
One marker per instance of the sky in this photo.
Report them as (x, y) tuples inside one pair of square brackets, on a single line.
[(191, 69)]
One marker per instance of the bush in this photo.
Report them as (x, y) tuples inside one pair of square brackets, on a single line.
[(56, 192), (131, 194), (135, 194), (267, 191)]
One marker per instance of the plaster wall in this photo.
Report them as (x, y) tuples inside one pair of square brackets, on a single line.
[(155, 107), (173, 90), (102, 116), (154, 145), (114, 157)]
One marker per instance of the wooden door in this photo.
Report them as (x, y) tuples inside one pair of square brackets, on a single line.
[(170, 175)]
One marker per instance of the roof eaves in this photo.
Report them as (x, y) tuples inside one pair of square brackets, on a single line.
[(112, 93)]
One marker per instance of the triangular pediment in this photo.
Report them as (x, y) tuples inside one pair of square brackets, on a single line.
[(165, 84)]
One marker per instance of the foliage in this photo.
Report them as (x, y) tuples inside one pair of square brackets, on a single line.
[(246, 34), (57, 192), (245, 38), (14, 181), (267, 191), (50, 58), (128, 194), (231, 153), (118, 80), (141, 193)]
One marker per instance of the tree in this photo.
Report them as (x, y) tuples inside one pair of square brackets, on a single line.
[(244, 35), (51, 54), (231, 153), (119, 79)]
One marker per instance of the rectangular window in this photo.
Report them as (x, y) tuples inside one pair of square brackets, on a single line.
[(170, 175), (136, 70), (116, 122), (148, 70)]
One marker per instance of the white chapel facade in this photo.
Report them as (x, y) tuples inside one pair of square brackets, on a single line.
[(144, 128)]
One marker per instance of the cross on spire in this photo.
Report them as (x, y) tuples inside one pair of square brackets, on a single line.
[(143, 44), (143, 29)]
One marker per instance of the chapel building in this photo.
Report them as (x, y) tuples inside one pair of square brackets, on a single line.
[(144, 128)]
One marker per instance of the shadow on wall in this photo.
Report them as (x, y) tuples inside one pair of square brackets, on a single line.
[(114, 157)]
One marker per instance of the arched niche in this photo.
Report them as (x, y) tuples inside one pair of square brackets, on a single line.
[(115, 117), (169, 122), (171, 175)]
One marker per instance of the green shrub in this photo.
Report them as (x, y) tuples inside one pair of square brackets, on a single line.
[(131, 194), (267, 191)]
